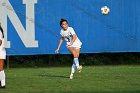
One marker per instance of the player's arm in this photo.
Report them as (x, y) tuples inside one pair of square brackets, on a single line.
[(59, 45), (74, 36), (73, 39)]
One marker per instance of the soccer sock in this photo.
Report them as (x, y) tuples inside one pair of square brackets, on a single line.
[(73, 69), (76, 62), (2, 78)]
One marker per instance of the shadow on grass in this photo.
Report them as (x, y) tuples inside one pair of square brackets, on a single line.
[(53, 76)]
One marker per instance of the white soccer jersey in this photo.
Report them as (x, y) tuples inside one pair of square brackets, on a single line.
[(2, 49), (68, 35)]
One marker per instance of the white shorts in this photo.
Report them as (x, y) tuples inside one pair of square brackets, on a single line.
[(76, 45), (2, 54)]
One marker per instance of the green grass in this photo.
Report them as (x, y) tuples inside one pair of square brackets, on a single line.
[(98, 79)]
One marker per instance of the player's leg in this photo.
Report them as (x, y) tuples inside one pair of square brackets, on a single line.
[(75, 52), (76, 59), (1, 64), (73, 68), (2, 74)]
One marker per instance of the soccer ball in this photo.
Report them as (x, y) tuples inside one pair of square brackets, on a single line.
[(105, 10)]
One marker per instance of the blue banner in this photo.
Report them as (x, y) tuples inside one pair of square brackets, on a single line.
[(31, 27)]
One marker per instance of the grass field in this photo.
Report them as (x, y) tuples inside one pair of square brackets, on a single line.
[(95, 79)]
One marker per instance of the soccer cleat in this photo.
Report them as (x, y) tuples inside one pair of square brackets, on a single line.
[(71, 76), (1, 86), (80, 68)]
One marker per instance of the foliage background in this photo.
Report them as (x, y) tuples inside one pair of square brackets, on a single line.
[(66, 60)]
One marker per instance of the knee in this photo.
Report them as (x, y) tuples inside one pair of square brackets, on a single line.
[(1, 65), (76, 55), (1, 69)]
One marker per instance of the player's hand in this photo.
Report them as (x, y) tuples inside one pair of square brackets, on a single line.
[(57, 51), (69, 44)]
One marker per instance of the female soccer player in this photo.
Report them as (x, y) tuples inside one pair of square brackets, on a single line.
[(72, 43), (2, 57)]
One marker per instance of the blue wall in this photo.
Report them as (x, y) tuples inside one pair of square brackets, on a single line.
[(117, 32)]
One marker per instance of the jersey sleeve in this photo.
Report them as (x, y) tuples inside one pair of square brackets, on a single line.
[(72, 31)]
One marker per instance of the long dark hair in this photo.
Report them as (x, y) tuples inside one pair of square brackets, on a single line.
[(1, 31)]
